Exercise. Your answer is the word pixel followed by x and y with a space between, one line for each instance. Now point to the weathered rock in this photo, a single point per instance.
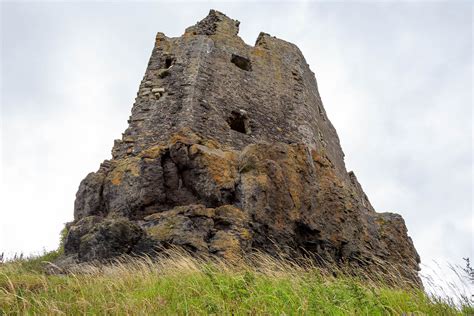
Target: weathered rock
pixel 95 238
pixel 237 154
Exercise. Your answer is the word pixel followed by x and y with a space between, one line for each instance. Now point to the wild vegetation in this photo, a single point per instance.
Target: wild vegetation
pixel 177 284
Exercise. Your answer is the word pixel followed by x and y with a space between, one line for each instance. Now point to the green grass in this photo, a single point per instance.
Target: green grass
pixel 178 284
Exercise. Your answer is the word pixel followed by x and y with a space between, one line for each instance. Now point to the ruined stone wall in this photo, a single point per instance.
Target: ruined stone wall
pixel 229 149
pixel 212 82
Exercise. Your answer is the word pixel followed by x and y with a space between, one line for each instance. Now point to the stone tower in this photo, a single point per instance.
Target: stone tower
pixel 229 149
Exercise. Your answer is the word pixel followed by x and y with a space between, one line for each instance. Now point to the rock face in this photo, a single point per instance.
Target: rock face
pixel 229 149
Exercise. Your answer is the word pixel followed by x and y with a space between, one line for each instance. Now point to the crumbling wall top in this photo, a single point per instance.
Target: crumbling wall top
pixel 215 22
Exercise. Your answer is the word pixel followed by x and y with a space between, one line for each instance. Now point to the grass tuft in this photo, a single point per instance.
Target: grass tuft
pixel 175 283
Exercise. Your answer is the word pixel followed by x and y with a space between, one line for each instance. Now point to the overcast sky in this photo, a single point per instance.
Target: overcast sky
pixel 395 79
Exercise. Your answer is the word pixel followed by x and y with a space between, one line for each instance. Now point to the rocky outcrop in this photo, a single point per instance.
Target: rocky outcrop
pixel 229 149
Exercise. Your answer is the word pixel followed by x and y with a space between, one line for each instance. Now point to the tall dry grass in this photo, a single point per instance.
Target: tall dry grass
pixel 175 283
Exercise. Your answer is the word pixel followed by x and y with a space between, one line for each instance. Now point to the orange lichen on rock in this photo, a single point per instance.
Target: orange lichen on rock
pixel 152 152
pixel 127 165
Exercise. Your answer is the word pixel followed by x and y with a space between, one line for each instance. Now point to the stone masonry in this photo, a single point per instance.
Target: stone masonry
pixel 229 149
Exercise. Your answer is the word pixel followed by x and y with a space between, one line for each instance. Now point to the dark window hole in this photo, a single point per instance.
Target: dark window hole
pixel 168 62
pixel 241 62
pixel 238 121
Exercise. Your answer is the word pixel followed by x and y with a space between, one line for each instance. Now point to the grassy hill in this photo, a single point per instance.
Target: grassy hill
pixel 177 284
